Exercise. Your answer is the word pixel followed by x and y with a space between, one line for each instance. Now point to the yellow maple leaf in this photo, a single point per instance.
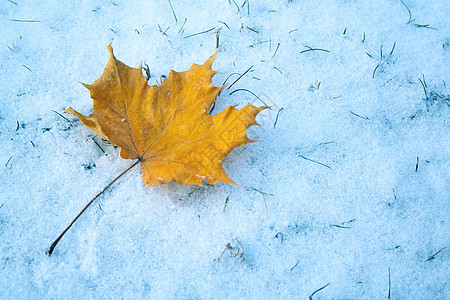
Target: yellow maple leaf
pixel 167 128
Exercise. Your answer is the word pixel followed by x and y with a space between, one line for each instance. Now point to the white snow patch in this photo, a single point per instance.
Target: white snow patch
pixel 357 162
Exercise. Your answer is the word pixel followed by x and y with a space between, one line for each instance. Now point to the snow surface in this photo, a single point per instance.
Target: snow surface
pixel 366 220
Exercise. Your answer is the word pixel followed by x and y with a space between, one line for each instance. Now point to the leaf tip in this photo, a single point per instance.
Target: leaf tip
pixel 69 110
pixel 88 86
pixel 210 61
pixel 111 52
pixel 110 48
pixel 229 181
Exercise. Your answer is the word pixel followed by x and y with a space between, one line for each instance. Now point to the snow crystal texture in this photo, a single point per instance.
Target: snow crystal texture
pixel 352 159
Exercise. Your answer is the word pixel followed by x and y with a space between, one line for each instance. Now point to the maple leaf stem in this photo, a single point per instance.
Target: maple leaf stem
pixel 52 247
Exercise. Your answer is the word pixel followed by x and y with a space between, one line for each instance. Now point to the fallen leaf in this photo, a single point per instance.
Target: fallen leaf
pixel 167 127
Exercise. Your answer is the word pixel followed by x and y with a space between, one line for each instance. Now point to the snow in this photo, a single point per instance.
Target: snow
pixel 354 173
